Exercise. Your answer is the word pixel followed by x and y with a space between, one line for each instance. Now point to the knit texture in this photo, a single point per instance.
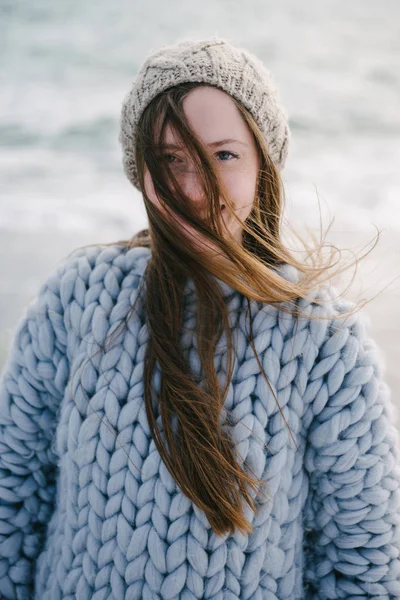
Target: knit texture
pixel 216 62
pixel 89 511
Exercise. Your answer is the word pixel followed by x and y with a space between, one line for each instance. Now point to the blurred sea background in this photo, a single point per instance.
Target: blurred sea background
pixel 66 66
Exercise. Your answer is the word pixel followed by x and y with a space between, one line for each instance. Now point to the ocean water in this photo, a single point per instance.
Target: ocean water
pixel 66 66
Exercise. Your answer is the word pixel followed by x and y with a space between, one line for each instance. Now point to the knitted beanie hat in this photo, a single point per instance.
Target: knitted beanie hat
pixel 216 62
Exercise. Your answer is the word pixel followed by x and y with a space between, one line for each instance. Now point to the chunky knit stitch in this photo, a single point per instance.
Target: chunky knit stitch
pixel 89 511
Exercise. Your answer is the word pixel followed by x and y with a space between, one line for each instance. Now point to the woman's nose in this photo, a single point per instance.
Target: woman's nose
pixel 192 187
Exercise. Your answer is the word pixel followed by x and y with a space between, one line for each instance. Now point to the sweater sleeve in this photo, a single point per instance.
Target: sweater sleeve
pixel 352 513
pixel 32 384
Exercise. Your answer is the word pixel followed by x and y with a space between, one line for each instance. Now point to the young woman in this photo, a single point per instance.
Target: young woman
pixel 194 413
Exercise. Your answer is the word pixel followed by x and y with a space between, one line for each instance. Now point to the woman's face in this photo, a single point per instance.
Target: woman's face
pixel 216 120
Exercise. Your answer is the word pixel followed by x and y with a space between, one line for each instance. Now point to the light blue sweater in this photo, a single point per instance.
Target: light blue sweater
pixel 89 511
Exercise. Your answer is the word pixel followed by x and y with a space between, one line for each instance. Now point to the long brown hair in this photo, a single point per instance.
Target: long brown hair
pixel 200 455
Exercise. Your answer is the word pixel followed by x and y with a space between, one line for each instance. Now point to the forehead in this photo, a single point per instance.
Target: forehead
pixel 213 115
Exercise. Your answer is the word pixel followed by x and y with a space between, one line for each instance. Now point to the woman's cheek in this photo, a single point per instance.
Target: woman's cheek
pixel 199 241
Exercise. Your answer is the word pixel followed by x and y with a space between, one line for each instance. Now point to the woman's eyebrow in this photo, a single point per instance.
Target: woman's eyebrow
pixel 210 145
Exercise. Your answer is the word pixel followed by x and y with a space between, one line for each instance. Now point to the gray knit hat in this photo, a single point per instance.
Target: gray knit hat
pixel 216 62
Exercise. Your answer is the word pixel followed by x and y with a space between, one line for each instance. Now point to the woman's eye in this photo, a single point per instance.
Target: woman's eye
pixel 222 155
pixel 226 152
pixel 167 156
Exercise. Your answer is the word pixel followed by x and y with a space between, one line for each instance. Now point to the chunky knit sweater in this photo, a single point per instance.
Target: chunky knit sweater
pixel 89 511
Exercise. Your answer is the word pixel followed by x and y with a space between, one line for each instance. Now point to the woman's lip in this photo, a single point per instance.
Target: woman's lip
pixel 223 208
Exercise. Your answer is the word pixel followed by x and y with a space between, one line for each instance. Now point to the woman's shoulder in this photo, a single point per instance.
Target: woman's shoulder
pixel 94 260
pixel 118 254
pixel 330 320
pixel 88 270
